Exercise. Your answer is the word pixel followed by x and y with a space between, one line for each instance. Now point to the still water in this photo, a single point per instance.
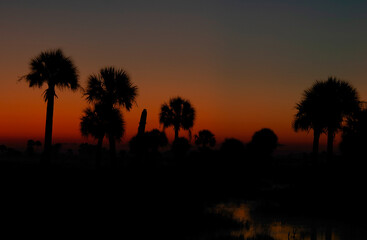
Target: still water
pixel 258 226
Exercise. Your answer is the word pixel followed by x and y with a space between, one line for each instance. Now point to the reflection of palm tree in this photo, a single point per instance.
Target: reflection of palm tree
pixel 111 89
pixel 324 107
pixel 205 138
pixel 177 113
pixel 55 70
pixel 97 124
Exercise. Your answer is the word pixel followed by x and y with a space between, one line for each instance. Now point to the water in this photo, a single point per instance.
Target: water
pixel 287 228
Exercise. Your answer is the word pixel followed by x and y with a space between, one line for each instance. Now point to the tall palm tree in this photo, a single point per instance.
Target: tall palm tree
pixel 177 113
pixel 111 89
pixel 54 69
pixel 98 124
pixel 325 106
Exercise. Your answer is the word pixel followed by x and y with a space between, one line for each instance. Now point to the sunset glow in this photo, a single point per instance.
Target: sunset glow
pixel 241 71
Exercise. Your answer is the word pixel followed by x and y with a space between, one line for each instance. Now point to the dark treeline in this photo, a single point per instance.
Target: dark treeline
pixel 162 188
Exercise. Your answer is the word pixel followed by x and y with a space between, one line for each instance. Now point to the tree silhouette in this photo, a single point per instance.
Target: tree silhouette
pixel 111 89
pixel 177 113
pixel 54 69
pixel 324 107
pixel 148 142
pixel 205 139
pixel 263 142
pixel 308 117
pixel 354 135
pixel 232 147
pixel 99 123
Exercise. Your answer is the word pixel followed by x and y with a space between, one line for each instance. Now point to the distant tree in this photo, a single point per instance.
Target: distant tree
pixel 263 143
pixel 148 142
pixel 354 136
pixel 111 89
pixel 98 122
pixel 54 69
pixel 178 113
pixel 205 139
pixel 324 107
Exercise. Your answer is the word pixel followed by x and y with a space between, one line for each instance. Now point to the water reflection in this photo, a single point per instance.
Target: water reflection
pixel 259 226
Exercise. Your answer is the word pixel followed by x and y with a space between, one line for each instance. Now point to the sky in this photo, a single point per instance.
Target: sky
pixel 242 64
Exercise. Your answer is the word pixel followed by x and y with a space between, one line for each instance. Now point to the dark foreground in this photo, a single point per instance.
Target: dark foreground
pixel 170 200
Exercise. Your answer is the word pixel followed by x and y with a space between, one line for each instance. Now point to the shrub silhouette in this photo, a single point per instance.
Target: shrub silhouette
pixel 205 139
pixel 178 113
pixel 54 69
pixel 354 135
pixel 263 143
pixel 148 142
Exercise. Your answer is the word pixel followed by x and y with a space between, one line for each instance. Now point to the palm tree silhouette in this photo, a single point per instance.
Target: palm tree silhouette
pixel 325 106
pixel 98 123
pixel 177 113
pixel 205 138
pixel 54 69
pixel 111 89
pixel 309 116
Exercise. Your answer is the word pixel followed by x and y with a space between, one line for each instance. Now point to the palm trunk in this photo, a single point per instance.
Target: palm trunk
pixel 113 151
pixel 330 141
pixel 49 120
pixel 315 147
pixel 99 152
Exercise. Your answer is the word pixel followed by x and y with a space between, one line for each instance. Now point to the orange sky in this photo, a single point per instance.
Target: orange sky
pixel 243 65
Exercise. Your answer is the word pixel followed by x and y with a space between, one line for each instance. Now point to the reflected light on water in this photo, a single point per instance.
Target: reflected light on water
pixel 274 228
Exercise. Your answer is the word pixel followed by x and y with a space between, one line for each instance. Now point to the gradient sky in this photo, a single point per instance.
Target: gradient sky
pixel 243 64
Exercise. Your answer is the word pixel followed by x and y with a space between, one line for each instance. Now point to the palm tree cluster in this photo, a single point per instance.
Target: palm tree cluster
pixel 109 90
pixel 324 107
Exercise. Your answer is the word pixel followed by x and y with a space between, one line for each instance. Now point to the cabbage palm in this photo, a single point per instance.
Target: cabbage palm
pixel 98 124
pixel 325 106
pixel 111 89
pixel 178 113
pixel 308 117
pixel 55 70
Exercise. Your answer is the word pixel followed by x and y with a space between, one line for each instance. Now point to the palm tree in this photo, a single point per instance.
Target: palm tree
pixel 325 106
pixel 177 113
pixel 97 124
pixel 54 69
pixel 111 89
pixel 205 138
pixel 309 117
